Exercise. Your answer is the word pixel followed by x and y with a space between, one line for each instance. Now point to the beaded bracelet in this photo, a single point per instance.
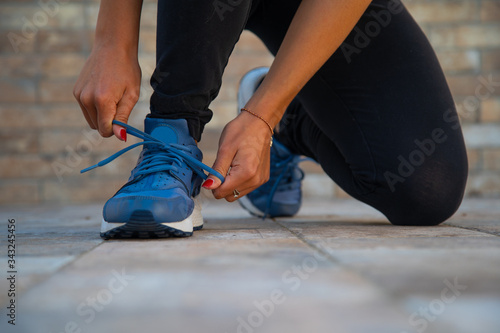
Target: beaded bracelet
pixel 268 125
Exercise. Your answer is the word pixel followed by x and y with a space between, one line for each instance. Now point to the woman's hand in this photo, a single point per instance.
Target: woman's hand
pixel 109 83
pixel 108 88
pixel 317 30
pixel 243 155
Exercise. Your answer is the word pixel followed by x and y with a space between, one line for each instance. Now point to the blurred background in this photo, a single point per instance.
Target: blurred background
pixel 44 139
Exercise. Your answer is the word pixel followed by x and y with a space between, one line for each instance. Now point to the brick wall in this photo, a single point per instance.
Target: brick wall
pixel 45 141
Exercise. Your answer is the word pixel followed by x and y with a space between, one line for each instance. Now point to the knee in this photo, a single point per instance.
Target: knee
pixel 423 214
pixel 425 204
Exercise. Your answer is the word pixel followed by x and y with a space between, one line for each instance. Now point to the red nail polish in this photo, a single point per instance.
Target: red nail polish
pixel 123 134
pixel 209 182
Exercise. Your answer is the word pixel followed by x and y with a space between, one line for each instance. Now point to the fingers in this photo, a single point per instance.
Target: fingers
pixel 100 109
pixel 88 116
pixel 245 174
pixel 83 100
pixel 120 132
pixel 97 107
pixel 123 110
pixel 108 89
pixel 106 111
pixel 222 165
pixel 243 157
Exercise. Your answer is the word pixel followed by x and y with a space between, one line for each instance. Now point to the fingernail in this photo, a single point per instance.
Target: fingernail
pixel 209 182
pixel 123 134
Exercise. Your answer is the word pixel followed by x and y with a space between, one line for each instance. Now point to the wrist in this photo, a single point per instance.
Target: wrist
pixel 257 125
pixel 115 50
pixel 115 44
pixel 271 128
pixel 269 111
pixel 270 102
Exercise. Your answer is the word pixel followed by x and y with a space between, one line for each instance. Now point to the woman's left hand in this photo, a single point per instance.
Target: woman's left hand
pixel 243 156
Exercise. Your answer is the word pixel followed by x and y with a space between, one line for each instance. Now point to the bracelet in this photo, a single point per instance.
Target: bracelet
pixel 268 125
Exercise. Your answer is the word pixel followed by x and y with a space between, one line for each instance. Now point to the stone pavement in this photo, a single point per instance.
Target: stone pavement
pixel 336 267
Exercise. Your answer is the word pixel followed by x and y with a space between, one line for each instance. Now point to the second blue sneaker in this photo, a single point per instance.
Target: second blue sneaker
pixel 282 194
pixel 160 198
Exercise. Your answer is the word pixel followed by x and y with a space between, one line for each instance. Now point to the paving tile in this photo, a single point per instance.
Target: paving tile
pixel 488 226
pixel 455 315
pixel 51 215
pixel 344 209
pixel 372 229
pixel 478 214
pixel 408 260
pixel 336 267
pixel 51 231
pixel 169 282
pixel 47 238
pixel 412 271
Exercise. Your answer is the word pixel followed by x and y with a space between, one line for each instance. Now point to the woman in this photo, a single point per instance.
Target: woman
pixel 354 85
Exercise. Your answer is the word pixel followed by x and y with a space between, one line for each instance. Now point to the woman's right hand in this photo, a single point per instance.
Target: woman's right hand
pixel 108 88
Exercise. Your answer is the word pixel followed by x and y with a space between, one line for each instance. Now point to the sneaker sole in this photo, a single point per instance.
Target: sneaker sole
pixel 249 207
pixel 141 225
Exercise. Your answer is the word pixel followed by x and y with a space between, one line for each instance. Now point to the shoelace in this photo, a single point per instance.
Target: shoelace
pixel 159 159
pixel 288 172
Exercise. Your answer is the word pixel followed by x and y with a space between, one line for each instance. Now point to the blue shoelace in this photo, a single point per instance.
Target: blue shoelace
pixel 161 158
pixel 287 171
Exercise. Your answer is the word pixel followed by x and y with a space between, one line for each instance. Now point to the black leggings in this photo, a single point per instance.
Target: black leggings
pixel 378 116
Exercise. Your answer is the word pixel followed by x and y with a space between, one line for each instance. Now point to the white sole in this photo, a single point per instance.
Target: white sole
pixel 196 215
pixel 247 204
pixel 192 222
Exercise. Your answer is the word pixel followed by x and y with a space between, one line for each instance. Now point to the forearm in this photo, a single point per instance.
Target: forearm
pixel 118 25
pixel 317 30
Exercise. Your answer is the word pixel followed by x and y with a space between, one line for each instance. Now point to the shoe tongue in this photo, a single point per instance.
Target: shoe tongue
pixel 169 130
pixel 166 134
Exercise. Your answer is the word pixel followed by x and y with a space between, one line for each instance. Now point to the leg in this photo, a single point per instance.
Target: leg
pixel 381 121
pixel 194 41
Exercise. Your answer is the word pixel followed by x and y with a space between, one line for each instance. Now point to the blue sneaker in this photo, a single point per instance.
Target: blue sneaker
pixel 282 194
pixel 160 198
